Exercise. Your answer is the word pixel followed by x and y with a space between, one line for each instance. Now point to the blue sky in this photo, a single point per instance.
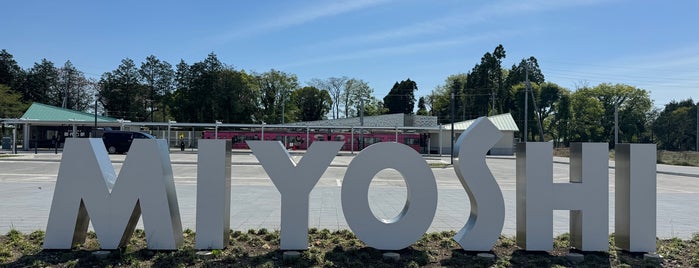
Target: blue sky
pixel 653 45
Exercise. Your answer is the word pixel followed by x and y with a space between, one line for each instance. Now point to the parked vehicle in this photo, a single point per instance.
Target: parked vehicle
pixel 119 142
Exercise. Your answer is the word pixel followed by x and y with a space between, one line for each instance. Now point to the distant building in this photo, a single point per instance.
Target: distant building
pixel 47 126
pixel 386 120
pixel 504 123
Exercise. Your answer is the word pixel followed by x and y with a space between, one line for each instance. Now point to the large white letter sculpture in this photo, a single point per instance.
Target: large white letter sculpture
pixel 487 205
pixel 418 213
pixel 294 183
pixel 213 194
pixel 635 181
pixel 586 196
pixel 87 189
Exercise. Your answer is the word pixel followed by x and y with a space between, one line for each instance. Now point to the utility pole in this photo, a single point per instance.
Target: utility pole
pixel 283 105
pixel 361 123
pixel 452 127
pixel 526 103
pixel 616 124
pixel 492 103
pixel 697 138
pixel 526 106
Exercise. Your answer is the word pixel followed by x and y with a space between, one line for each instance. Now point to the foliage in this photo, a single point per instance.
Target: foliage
pixel 41 84
pixel 11 74
pixel 77 92
pixel 486 81
pixel 675 127
pixel 235 97
pixel 401 98
pixel 260 248
pixel 335 86
pixel 374 106
pixel 421 107
pixel 356 91
pixel 208 91
pixel 546 97
pixel 11 105
pixel 121 93
pixel 439 99
pixel 634 106
pixel 276 88
pixel 313 104
pixel 560 123
pixel 158 77
pixel 587 114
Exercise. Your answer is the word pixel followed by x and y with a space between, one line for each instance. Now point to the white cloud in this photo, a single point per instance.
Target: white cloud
pixel 457 20
pixel 411 48
pixel 300 16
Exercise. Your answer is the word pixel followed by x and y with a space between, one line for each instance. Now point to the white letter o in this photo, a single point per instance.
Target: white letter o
pixel 418 213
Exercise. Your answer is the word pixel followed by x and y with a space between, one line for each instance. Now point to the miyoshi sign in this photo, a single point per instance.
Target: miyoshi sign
pixel 88 189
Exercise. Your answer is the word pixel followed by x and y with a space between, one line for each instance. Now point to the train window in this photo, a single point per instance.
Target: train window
pixel 369 141
pixel 319 137
pixel 339 138
pixel 411 141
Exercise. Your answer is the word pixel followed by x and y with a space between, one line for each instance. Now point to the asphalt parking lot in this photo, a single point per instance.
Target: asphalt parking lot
pixel 27 182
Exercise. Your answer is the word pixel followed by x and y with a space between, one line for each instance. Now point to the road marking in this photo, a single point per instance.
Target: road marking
pixel 339 182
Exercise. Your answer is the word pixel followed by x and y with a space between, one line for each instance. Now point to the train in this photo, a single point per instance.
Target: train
pixel 298 140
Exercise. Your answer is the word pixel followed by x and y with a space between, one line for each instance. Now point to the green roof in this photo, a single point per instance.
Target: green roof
pixel 45 112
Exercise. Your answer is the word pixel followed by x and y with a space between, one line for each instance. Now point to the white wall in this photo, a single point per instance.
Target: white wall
pixel 504 147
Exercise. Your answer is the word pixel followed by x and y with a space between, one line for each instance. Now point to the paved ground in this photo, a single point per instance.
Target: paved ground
pixel 27 183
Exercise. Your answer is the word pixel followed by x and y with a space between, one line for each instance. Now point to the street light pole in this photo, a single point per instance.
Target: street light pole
pixel 452 128
pixel 95 129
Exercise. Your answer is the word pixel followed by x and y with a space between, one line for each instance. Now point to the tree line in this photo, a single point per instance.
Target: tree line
pixel 558 114
pixel 210 91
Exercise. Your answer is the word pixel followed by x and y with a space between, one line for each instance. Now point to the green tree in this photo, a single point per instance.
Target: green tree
pixel 336 87
pixel 421 107
pixel 11 74
pixel 560 123
pixel 401 98
pixel 203 89
pixel 11 105
pixel 275 90
pixel 158 76
pixel 587 114
pixel 373 106
pixel 546 95
pixel 77 92
pixel 486 81
pixel 313 103
pixel 121 93
pixel 359 90
pixel 634 105
pixel 675 127
pixel 182 99
pixel 440 99
pixel 236 97
pixel 41 84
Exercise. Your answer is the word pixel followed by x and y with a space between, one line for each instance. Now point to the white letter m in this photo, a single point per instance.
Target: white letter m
pixel 87 189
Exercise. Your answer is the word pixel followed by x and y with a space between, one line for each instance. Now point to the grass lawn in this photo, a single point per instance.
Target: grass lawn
pixel 685 158
pixel 260 248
